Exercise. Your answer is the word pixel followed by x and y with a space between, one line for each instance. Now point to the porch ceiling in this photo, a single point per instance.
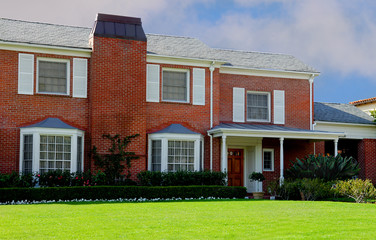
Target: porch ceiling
pixel 271 131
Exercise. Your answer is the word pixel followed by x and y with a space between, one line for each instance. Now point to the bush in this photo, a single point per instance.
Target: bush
pixel 306 189
pixel 328 168
pixel 181 178
pixel 357 189
pixel 115 192
pixel 56 178
pixel 16 179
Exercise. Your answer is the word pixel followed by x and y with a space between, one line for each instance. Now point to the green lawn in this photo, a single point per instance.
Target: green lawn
pixel 232 219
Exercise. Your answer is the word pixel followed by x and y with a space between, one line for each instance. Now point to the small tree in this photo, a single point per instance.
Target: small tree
pixel 118 160
pixel 357 189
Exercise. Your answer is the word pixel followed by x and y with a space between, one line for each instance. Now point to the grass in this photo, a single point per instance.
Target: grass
pixel 232 219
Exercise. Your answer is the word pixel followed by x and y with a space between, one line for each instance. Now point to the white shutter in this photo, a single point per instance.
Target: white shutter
pixel 198 86
pixel 279 107
pixel 238 102
pixel 80 77
pixel 152 83
pixel 25 73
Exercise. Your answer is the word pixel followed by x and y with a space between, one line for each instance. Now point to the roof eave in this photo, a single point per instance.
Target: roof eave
pixel 275 134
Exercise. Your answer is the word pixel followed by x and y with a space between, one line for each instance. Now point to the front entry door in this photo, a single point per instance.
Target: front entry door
pixel 235 167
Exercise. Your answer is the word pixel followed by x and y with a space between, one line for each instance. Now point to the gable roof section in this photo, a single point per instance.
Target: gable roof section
pixel 176 129
pixel 17 31
pixel 341 113
pixel 51 123
pixel 193 48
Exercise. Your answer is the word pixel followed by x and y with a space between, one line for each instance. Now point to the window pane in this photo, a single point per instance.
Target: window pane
pixel 257 106
pixel 52 77
pixel 174 86
pixel 55 153
pixel 79 154
pixel 28 154
pixel 180 156
pixel 268 164
pixel 156 155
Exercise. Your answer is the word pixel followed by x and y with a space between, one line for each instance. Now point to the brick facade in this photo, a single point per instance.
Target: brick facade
pixel 116 104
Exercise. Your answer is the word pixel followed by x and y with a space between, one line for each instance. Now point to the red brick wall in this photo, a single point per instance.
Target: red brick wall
pixel 19 110
pixel 118 95
pixel 292 149
pixel 297 104
pixel 367 159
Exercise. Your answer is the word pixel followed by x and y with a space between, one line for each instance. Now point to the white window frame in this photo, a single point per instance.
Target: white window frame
pixel 67 61
pixel 165 137
pixel 36 132
pixel 188 84
pixel 271 150
pixel 269 106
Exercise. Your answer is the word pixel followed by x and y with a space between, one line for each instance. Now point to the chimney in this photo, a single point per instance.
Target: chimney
pixel 113 26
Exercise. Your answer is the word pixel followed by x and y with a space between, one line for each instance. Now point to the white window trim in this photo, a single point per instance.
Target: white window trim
pixel 68 74
pixel 272 164
pixel 188 83
pixel 37 132
pixel 165 137
pixel 269 107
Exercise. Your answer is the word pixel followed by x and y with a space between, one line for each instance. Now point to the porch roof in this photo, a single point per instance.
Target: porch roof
pixel 271 131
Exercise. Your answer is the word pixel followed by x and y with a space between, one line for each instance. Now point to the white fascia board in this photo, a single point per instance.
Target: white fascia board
pixel 346 124
pixel 267 72
pixel 275 134
pixel 52 131
pixel 175 136
pixel 37 48
pixel 196 62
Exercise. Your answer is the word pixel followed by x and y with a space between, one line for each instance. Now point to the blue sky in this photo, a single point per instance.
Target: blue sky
pixel 336 37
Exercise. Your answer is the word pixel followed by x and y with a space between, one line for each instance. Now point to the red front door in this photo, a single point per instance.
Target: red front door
pixel 235 167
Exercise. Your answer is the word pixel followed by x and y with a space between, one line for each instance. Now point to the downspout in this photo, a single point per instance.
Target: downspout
pixel 310 101
pixel 211 68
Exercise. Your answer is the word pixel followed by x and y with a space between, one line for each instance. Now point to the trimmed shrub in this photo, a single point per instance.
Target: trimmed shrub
pixel 328 168
pixel 306 189
pixel 357 189
pixel 181 178
pixel 115 192
pixel 16 179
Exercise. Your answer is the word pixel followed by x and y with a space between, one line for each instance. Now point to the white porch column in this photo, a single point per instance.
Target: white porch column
pixel 224 154
pixel 335 147
pixel 281 160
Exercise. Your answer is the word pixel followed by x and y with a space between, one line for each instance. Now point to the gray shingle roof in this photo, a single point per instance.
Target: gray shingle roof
pixel 194 48
pixel 44 34
pixel 78 37
pixel 51 123
pixel 343 113
pixel 176 129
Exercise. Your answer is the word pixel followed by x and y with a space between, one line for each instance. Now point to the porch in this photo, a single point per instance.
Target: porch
pixel 247 148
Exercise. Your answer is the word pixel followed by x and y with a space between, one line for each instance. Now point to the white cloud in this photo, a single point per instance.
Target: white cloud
pixel 331 35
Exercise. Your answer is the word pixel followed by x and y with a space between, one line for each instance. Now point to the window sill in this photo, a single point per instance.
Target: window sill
pixel 53 94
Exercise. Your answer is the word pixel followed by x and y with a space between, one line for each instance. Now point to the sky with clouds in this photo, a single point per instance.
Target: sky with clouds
pixel 336 37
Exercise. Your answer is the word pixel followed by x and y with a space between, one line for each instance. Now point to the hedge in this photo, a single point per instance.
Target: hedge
pixel 115 192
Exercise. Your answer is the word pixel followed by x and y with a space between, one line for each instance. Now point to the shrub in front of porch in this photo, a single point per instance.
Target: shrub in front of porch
pixel 328 168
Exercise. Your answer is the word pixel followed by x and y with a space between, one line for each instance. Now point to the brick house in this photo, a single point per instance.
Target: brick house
pixel 195 107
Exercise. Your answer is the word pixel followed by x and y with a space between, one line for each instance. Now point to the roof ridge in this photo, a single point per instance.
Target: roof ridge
pixel 244 51
pixel 42 23
pixel 165 35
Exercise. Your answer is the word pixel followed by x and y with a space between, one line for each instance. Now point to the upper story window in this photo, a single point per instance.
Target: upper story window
pixel 175 85
pixel 53 76
pixel 258 106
